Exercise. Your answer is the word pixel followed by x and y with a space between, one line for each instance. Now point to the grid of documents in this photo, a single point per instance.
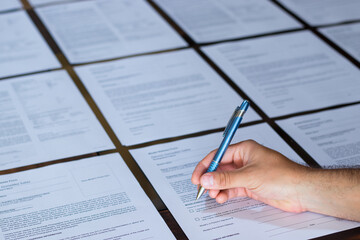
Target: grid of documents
pixel 94 91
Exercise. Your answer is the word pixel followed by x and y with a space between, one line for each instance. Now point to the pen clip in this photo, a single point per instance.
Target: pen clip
pixel 231 121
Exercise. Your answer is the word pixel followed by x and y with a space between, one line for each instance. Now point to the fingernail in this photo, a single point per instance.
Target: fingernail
pixel 207 181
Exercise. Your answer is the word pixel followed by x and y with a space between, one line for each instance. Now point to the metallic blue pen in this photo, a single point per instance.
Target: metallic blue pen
pixel 228 135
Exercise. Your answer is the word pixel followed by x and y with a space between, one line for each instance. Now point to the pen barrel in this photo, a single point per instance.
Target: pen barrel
pixel 224 145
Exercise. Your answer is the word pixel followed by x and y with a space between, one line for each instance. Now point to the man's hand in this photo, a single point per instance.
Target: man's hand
pixel 252 170
pixel 249 169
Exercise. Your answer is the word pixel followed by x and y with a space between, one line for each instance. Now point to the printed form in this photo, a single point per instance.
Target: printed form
pixel 288 73
pixel 22 48
pixel 330 137
pixel 97 30
pixel 160 96
pixel 322 12
pixel 346 36
pixel 43 117
pixel 94 198
pixel 169 167
pixel 215 20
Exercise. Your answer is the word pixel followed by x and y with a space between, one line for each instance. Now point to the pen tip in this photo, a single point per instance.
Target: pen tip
pixel 200 193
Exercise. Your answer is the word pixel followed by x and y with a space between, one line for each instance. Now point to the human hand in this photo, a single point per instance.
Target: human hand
pixel 249 169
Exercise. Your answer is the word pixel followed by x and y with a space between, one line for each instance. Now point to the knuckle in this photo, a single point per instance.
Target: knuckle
pixel 224 179
pixel 250 143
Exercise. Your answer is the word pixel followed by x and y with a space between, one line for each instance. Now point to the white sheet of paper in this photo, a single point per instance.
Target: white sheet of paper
pixel 288 73
pixel 214 20
pixel 44 2
pixel 43 117
pixel 96 30
pixel 169 167
pixel 322 12
pixel 160 96
pixel 346 36
pixel 6 5
pixel 94 198
pixel 330 137
pixel 22 48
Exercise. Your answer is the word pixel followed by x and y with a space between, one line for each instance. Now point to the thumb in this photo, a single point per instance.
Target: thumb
pixel 224 180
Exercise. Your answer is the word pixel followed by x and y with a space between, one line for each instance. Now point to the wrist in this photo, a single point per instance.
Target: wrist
pixel 310 196
pixel 332 192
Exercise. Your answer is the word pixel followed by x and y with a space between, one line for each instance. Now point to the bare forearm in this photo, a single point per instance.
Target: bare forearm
pixel 334 192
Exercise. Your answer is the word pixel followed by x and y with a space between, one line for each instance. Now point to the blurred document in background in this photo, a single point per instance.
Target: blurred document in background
pixel 6 5
pixel 96 30
pixel 288 73
pixel 215 20
pixel 160 96
pixel 43 117
pixel 22 48
pixel 95 198
pixel 169 167
pixel 320 12
pixel 332 137
pixel 36 3
pixel 346 37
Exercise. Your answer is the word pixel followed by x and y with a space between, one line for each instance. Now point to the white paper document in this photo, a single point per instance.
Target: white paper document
pixel 322 12
pixel 102 29
pixel 332 137
pixel 43 117
pixel 288 73
pixel 160 96
pixel 346 36
pixel 215 20
pixel 94 198
pixel 22 48
pixel 169 167
pixel 44 2
pixel 6 5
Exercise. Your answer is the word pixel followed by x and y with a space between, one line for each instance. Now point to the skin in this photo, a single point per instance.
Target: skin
pixel 249 169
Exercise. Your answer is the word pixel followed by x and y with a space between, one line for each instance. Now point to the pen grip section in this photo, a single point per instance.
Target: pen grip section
pixel 224 145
